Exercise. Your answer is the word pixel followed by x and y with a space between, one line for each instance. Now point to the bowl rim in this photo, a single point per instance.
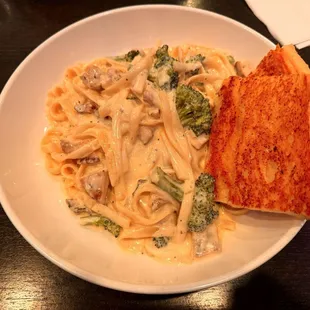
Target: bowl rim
pixel 120 285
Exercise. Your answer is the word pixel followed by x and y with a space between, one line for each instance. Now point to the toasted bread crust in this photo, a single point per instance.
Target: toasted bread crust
pixel 283 60
pixel 260 145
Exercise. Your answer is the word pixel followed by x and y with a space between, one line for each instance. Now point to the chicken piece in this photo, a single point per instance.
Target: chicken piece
pixel 145 134
pixel 86 107
pixel 260 144
pixel 207 241
pixel 150 95
pixel 92 77
pixel 67 147
pixel 154 112
pixel 108 78
pixel 96 185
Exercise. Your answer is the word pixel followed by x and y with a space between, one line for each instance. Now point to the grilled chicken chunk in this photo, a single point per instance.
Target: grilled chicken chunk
pixel 96 185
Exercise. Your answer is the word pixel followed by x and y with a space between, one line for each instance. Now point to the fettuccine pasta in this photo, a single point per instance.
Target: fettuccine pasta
pixel 114 122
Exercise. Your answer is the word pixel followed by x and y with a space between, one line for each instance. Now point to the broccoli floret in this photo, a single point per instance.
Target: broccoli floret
pixel 162 74
pixel 162 56
pixel 161 242
pixel 174 80
pixel 193 109
pixel 196 58
pixel 204 210
pixel 104 222
pixel 129 56
pixel 165 182
pixel 109 225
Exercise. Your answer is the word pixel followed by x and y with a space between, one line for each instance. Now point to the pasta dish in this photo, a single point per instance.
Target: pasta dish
pixel 129 137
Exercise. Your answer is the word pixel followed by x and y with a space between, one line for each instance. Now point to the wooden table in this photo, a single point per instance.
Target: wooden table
pixel 29 281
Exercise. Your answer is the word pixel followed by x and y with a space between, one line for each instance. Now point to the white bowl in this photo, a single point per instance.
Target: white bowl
pixel 33 200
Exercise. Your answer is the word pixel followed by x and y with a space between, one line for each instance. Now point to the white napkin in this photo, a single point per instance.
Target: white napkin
pixel 287 20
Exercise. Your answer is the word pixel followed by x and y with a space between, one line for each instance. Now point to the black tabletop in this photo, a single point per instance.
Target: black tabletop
pixel 29 281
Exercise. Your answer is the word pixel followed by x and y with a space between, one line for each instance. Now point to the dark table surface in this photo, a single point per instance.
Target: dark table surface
pixel 29 281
